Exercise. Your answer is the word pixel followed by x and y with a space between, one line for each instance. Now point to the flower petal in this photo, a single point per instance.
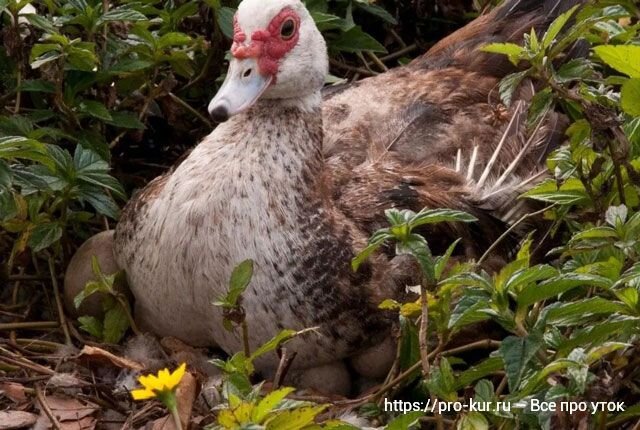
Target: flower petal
pixel 142 394
pixel 150 382
pixel 177 375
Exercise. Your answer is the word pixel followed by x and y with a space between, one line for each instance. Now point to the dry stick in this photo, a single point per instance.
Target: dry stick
pixel 509 231
pixel 245 337
pixel 283 367
pixel 56 292
pixel 501 386
pixel 45 408
pixel 24 363
pixel 400 53
pixel 397 37
pixel 349 68
pixel 29 325
pixel 377 60
pixel 14 301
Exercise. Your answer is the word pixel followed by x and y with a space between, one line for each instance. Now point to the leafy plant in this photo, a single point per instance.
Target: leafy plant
pixel 117 311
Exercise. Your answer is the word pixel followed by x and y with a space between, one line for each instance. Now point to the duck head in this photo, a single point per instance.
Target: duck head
pixel 277 53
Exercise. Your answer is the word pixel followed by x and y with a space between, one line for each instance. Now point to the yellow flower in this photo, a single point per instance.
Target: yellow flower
pixel 160 385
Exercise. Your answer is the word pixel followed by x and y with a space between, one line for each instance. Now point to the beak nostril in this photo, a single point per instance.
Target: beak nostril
pixel 219 114
pixel 247 73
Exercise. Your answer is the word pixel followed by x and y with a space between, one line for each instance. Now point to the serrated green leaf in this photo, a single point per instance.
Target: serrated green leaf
pixel 44 235
pixel 517 353
pixel 91 325
pixel 623 58
pixel 408 421
pixel 294 419
pixel 116 323
pixel 630 96
pixel 95 109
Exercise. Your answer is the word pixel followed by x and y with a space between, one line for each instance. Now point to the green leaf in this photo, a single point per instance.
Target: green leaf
pixel 540 105
pixel 239 281
pixel 326 21
pixel 173 39
pixel 91 325
pixel 517 353
pixel 433 216
pixel 122 13
pixel 269 403
pixel 572 313
pixel 274 343
pixel 541 376
pixel 559 284
pixel 576 69
pixel 95 109
pixel 556 26
pixel 116 323
pixel 44 235
pixel 623 58
pixel 570 192
pixel 469 310
pixel 125 119
pixel 356 40
pixel 511 50
pixel 18 147
pixel 509 84
pixel 225 21
pixel 6 177
pixel 479 371
pixel 38 86
pixel 376 10
pixel 630 96
pixel 294 419
pixel 405 421
pixel 473 421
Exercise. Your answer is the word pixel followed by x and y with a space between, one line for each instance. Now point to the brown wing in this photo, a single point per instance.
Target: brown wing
pixel 434 134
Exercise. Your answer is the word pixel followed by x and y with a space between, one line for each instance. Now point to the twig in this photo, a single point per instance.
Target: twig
pixel 283 367
pixel 24 363
pixel 404 51
pixel 344 66
pixel 479 344
pixel 56 292
pixel 245 337
pixel 45 407
pixel 377 60
pixel 29 325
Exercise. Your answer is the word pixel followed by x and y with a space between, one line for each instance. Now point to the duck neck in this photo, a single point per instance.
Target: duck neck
pixel 287 135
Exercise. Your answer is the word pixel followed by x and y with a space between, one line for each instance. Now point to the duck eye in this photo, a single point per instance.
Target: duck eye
pixel 288 29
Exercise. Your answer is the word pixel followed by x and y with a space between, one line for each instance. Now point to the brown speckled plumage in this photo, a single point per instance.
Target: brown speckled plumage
pixel 301 197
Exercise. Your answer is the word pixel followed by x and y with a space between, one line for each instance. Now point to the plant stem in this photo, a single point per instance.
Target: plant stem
pixel 56 292
pixel 424 326
pixel 245 338
pixel 176 417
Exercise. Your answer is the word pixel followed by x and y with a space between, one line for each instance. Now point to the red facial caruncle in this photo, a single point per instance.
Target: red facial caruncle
pixel 270 45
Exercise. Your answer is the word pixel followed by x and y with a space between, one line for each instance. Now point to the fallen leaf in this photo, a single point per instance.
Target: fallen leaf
pixel 66 380
pixel 95 354
pixel 185 394
pixel 13 391
pixel 16 420
pixel 68 409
